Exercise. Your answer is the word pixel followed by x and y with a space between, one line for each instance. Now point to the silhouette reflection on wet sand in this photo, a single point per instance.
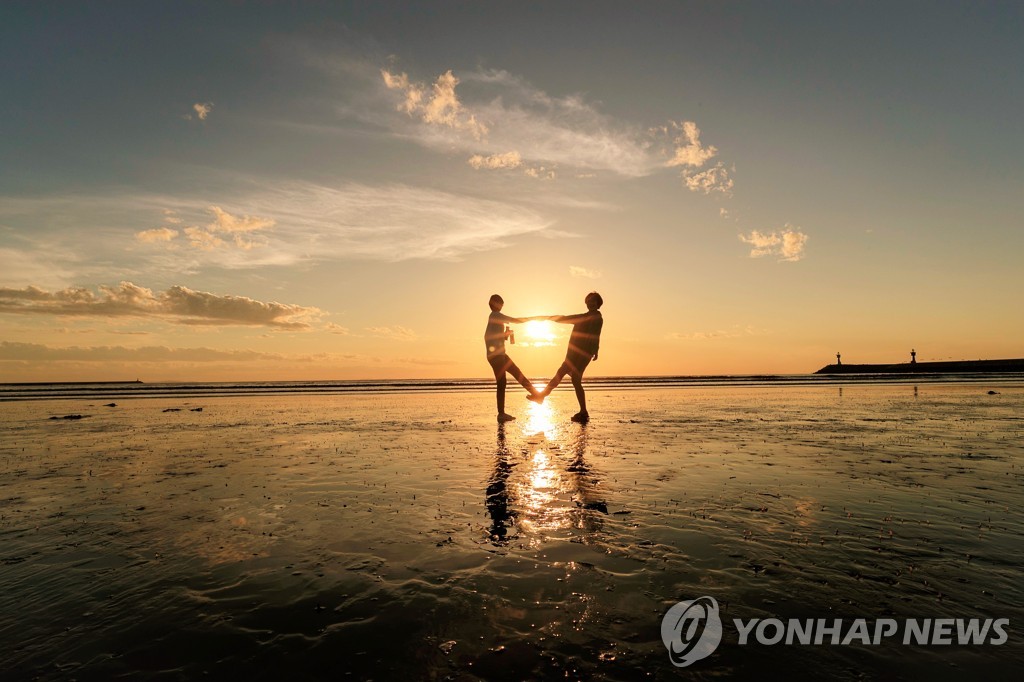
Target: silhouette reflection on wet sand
pixel 497 499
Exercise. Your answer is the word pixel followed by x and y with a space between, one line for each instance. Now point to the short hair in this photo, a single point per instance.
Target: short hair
pixel 593 300
pixel 495 301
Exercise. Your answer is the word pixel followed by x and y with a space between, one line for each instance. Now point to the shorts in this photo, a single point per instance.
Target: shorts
pixel 500 364
pixel 578 362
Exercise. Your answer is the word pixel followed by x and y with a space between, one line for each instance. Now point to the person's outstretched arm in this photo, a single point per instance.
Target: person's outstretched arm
pixel 508 319
pixel 570 319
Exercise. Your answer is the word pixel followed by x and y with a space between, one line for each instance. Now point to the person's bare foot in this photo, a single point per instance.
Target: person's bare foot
pixel 580 417
pixel 536 397
pixel 503 417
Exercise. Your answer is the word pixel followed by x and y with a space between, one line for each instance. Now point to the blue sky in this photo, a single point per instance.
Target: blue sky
pixel 333 190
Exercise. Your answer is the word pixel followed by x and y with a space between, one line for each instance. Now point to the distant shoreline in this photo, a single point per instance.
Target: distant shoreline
pixel 72 383
pixel 958 366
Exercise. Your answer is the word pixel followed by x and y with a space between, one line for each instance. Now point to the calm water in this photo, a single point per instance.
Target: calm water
pixel 403 535
pixel 151 390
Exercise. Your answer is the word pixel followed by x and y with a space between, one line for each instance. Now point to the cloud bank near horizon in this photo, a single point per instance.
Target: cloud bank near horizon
pixel 177 304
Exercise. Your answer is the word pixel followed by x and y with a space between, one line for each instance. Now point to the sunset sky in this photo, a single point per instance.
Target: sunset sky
pixel 227 191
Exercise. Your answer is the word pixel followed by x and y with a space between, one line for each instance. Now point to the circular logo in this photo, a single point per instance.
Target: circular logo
pixel 691 630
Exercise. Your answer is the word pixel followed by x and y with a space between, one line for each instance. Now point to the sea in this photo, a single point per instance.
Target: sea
pixel 139 389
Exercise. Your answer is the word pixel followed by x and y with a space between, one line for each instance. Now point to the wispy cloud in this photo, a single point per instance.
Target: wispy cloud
pixel 540 172
pixel 391 223
pixel 291 222
pixel 225 222
pixel 426 362
pixel 33 361
pixel 714 179
pixel 178 304
pixel 35 352
pixel 43 264
pixel 239 230
pixel 577 271
pixel 788 244
pixel 157 234
pixel 496 161
pixel 736 331
pixel 476 112
pixel 497 110
pixel 396 333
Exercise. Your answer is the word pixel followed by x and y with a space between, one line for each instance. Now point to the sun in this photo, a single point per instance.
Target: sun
pixel 539 333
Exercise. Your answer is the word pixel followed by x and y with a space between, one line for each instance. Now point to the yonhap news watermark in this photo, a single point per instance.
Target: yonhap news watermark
pixel 692 630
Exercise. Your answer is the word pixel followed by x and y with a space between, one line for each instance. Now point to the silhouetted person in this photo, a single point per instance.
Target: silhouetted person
pixel 501 363
pixel 583 346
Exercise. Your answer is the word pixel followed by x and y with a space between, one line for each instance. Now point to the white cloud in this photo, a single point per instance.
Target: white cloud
pixel 202 110
pixel 793 245
pixel 238 228
pixel 496 161
pixel 540 172
pixel 440 107
pixel 689 151
pixel 201 238
pixel 577 271
pixel 337 329
pixel 225 222
pixel 158 234
pixel 788 244
pixel 715 179
pixel 485 109
pixel 509 113
pixel 178 304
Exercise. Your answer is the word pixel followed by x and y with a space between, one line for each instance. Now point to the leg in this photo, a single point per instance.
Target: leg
pixel 518 375
pixel 563 369
pixel 581 397
pixel 501 381
pixel 499 364
pixel 577 383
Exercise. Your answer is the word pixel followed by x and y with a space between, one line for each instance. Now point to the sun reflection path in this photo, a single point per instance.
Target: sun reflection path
pixel 541 420
pixel 543 483
pixel 555 491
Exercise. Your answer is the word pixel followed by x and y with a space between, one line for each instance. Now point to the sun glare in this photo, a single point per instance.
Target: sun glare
pixel 539 332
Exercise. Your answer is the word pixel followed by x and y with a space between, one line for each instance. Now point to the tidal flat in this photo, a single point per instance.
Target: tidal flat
pixel 409 536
